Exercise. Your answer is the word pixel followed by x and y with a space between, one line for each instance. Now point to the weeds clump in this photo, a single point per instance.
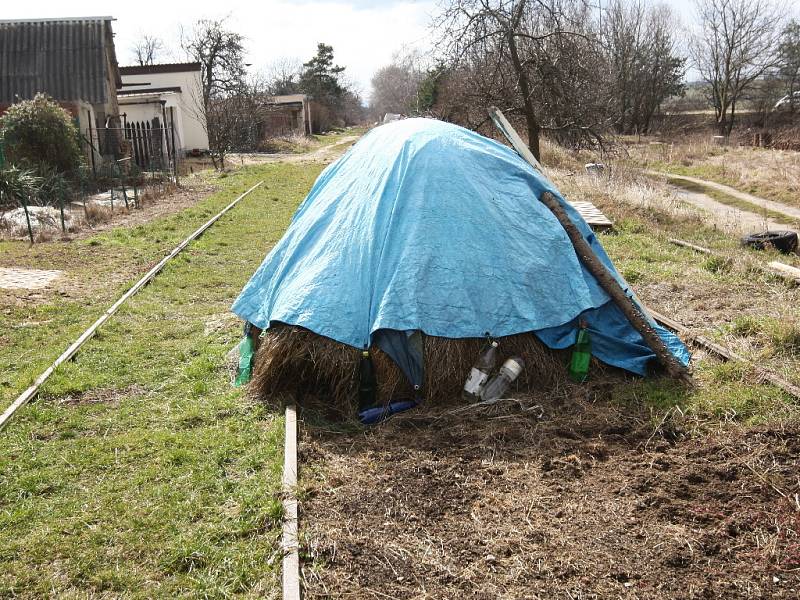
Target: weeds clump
pixel 774 335
pixel 718 264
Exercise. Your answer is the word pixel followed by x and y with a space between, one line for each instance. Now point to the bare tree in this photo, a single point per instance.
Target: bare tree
pixel 533 58
pixel 234 120
pixel 789 55
pixel 283 76
pixel 220 53
pixel 396 87
pixel 734 46
pixel 223 89
pixel 147 50
pixel 645 63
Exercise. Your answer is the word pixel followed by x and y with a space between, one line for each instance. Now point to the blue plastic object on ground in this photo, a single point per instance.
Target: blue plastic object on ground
pixel 380 413
pixel 424 225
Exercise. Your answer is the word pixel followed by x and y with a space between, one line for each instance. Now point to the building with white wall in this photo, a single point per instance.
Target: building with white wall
pixel 166 94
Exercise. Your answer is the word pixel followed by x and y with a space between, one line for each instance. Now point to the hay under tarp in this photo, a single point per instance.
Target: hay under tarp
pixel 312 368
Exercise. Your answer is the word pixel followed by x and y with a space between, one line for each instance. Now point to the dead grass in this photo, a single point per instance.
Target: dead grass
pixel 770 174
pixel 289 144
pixel 580 498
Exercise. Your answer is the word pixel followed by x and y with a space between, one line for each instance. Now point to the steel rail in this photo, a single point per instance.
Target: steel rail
pixel 31 392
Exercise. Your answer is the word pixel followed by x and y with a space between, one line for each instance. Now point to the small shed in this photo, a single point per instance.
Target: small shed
pixel 286 115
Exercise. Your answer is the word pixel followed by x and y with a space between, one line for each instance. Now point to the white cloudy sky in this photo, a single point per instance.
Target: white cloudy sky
pixel 364 34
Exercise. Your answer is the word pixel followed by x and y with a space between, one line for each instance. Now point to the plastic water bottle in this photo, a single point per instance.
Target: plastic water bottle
pixel 499 383
pixel 480 371
pixel 581 355
pixel 367 383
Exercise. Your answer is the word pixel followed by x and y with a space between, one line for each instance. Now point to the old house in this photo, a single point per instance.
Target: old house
pixel 286 115
pixel 70 59
pixel 151 95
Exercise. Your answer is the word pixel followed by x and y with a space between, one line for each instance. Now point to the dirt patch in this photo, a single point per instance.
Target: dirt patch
pixel 101 396
pixel 190 193
pixel 323 154
pixel 588 500
pixel 74 283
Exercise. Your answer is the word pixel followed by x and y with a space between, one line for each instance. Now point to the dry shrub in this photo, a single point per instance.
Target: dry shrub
pixel 97 213
pixel 149 194
pixel 287 144
pixel 297 362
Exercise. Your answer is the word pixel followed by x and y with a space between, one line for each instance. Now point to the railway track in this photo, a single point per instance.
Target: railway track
pixel 73 349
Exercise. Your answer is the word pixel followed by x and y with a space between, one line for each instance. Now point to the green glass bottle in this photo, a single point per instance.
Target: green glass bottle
pixel 581 355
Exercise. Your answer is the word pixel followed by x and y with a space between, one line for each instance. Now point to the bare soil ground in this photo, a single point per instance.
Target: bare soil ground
pixel 116 265
pixel 589 500
pixel 322 154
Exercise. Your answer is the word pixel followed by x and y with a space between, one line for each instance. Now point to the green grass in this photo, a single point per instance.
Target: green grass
pixel 139 471
pixel 725 390
pixel 730 200
pixel 715 292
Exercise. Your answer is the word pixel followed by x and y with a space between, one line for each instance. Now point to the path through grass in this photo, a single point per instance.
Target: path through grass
pixel 139 471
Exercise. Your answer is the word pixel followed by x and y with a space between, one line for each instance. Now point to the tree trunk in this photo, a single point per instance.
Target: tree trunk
pixel 729 124
pixel 612 287
pixel 531 123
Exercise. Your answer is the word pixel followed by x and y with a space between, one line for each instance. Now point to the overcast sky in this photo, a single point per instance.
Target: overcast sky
pixel 364 34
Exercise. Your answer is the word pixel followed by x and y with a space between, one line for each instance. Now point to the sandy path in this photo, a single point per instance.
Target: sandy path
pixel 790 211
pixel 727 217
pixel 319 155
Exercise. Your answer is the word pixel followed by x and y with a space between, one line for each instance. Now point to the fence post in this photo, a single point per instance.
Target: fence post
pixel 61 208
pixel 28 219
pixel 174 151
pixel 122 185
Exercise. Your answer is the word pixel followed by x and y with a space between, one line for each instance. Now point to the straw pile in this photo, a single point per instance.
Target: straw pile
pixel 294 361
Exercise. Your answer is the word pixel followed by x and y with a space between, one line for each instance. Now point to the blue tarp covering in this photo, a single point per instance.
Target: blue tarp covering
pixel 427 225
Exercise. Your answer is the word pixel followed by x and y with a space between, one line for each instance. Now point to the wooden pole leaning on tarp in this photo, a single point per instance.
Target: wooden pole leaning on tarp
pixel 594 265
pixel 609 283
pixel 500 121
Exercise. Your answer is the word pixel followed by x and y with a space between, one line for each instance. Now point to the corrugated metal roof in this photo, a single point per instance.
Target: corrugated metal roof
pixel 65 58
pixel 162 68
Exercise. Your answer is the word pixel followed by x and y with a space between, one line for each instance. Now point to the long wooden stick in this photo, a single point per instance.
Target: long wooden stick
pixel 587 256
pixel 609 283
pixel 782 270
pixel 31 392
pixel 694 247
pixel 291 558
pixel 512 136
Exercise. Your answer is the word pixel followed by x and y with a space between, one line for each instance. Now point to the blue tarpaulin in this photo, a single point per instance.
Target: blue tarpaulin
pixel 424 225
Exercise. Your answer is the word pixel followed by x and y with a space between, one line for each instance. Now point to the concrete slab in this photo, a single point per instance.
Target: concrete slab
pixel 26 279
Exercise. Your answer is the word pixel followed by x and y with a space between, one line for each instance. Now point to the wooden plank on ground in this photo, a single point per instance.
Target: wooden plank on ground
pixel 592 215
pixel 784 270
pixel 725 354
pixel 291 558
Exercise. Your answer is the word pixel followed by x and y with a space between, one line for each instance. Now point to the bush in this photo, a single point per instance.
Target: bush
pixel 17 186
pixel 40 133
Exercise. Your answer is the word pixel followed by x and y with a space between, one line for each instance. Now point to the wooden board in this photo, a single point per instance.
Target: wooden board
pixel 291 558
pixel 592 215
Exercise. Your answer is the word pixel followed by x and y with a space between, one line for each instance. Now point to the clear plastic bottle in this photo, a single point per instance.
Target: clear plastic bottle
pixel 480 371
pixel 499 383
